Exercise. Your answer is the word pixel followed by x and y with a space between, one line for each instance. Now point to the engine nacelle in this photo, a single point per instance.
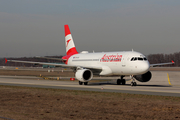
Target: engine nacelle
pixel 84 75
pixel 144 77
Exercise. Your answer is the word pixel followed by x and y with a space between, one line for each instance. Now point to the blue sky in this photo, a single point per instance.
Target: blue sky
pixel 36 27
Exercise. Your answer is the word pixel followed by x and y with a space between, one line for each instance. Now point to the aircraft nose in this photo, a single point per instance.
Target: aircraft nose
pixel 145 67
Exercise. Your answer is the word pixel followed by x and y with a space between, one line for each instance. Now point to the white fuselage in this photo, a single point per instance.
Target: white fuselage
pixel 113 63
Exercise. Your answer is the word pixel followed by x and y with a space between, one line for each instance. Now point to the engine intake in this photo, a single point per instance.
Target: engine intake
pixel 144 77
pixel 84 75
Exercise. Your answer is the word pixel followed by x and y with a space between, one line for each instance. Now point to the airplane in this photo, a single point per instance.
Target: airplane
pixel 120 63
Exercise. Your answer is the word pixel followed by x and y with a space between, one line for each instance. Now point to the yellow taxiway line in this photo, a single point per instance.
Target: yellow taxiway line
pixel 168 79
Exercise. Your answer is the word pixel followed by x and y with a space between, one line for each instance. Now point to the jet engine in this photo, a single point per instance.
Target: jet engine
pixel 84 75
pixel 144 77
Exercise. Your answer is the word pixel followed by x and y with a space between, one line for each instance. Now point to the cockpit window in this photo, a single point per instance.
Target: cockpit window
pixel 138 58
pixel 132 59
pixel 141 59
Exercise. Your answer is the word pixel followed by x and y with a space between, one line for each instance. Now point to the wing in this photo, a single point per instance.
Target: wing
pixel 158 64
pixel 95 69
pixel 40 63
pixel 50 58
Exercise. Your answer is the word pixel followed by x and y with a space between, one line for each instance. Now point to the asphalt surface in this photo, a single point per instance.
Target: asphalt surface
pixel 158 85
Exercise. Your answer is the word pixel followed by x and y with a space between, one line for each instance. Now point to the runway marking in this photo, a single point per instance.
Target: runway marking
pixel 90 87
pixel 168 79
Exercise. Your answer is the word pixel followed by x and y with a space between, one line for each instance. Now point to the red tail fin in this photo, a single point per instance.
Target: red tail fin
pixel 70 46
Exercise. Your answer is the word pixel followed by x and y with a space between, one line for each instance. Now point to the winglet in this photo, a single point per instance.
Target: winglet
pixel 173 62
pixel 5 60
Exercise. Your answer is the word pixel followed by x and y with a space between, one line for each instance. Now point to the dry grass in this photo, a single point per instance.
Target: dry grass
pixel 22 103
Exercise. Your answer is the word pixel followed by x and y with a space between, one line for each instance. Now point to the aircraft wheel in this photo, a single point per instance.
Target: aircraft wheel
pixel 85 83
pixel 118 81
pixel 80 83
pixel 123 81
pixel 132 83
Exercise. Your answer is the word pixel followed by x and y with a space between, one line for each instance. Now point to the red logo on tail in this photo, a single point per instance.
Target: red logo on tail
pixel 68 42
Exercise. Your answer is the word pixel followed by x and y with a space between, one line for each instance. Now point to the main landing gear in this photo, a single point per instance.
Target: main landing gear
pixel 121 81
pixel 85 83
pixel 133 83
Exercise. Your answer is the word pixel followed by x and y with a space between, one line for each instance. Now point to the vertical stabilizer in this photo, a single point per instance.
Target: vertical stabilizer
pixel 70 47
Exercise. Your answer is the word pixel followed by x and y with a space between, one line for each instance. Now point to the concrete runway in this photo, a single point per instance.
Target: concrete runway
pixel 158 85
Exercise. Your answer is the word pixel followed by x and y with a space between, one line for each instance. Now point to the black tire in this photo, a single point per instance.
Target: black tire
pixel 80 83
pixel 123 81
pixel 85 83
pixel 135 83
pixel 132 83
pixel 118 81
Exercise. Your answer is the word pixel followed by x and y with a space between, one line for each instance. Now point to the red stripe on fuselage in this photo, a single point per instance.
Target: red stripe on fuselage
pixel 67 30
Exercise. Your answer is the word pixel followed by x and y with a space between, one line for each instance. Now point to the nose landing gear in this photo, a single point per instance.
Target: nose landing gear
pixel 133 83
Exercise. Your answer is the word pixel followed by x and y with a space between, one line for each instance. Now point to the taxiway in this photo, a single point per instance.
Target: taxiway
pixel 158 85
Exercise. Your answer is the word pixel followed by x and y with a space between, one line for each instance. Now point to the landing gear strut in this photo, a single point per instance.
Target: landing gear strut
pixel 121 81
pixel 133 83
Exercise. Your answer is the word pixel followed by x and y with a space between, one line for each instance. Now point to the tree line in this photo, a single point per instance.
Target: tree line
pixel 163 58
